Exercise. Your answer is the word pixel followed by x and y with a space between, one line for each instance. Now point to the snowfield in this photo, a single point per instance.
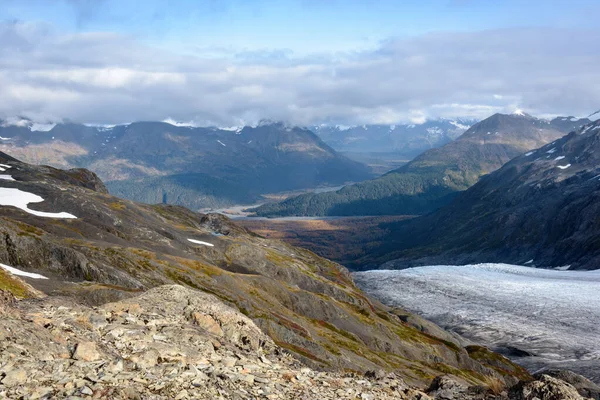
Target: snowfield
pixel 201 242
pixel 18 272
pixel 552 314
pixel 20 199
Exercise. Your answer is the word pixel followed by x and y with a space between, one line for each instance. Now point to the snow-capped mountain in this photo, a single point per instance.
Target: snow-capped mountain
pixel 406 139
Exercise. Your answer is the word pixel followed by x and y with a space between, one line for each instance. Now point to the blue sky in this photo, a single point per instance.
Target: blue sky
pixel 229 62
pixel 302 26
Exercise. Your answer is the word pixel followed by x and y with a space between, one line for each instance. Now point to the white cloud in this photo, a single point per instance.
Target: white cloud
pixel 105 78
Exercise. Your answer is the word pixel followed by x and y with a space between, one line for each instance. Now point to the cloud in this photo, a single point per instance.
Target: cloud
pixel 107 78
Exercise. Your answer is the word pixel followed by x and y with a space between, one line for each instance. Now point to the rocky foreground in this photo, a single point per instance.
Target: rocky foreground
pixel 179 343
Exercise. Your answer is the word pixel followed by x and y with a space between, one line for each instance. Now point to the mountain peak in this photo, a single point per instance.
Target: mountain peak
pixel 521 113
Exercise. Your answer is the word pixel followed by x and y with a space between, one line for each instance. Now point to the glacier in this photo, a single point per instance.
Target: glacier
pixel 551 316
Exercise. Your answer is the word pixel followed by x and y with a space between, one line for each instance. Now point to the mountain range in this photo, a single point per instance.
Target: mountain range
pixel 63 235
pixel 154 162
pixel 539 209
pixel 406 140
pixel 433 178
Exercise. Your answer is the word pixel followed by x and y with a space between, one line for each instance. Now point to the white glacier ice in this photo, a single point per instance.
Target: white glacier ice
pixel 552 314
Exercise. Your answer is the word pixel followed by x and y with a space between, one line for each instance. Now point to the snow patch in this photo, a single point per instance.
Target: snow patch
pixel 18 272
pixel 552 150
pixel 529 262
pixel 6 177
pixel 559 158
pixel 20 199
pixel 237 129
pixel 459 125
pixel 201 242
pixel 223 144
pixel 36 127
pixel 563 166
pixel 434 130
pixel 171 121
pixel 529 153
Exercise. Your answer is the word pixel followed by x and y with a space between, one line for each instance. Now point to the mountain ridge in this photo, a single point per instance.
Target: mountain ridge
pixel 538 209
pixel 433 178
pixel 197 167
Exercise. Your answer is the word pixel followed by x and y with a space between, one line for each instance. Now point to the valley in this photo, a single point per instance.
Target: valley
pixel 342 239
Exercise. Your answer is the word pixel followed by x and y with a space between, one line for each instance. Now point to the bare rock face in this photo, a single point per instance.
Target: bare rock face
pixel 154 347
pixel 203 310
pixel 545 388
pixel 584 386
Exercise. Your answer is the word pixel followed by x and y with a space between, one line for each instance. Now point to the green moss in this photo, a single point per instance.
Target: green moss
pixel 497 362
pixel 13 285
pixel 279 259
pixel 117 205
pixel 467 374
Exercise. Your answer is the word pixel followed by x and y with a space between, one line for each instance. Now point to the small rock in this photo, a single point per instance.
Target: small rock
pixel 15 377
pixel 87 391
pixel 229 362
pixel 86 351
pixel 207 323
pixel 130 394
pixel 145 359
pixel 182 395
pixel 248 378
pixel 265 360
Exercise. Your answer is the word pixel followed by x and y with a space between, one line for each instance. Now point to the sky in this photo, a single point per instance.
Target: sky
pixel 235 62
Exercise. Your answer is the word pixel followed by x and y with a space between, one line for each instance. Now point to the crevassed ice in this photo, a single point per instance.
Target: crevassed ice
pixel 20 199
pixel 551 313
